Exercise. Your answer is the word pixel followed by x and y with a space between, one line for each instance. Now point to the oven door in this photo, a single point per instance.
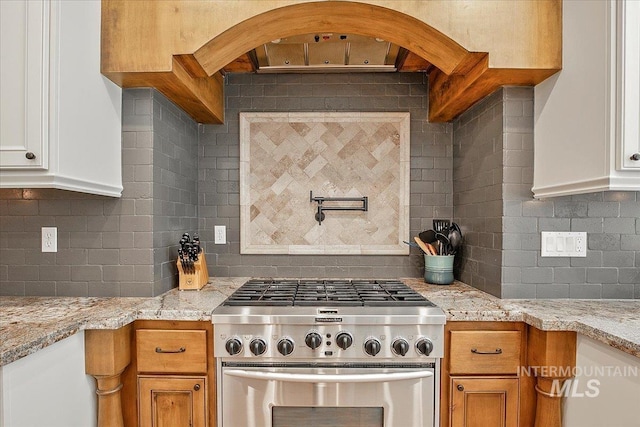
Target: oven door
pixel 265 396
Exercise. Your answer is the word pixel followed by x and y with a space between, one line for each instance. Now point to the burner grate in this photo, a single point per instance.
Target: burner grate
pixel 323 292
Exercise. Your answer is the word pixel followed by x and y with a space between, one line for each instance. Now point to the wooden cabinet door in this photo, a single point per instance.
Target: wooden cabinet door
pixel 172 401
pixel 484 402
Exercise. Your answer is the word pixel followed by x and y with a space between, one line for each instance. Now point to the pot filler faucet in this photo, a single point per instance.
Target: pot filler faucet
pixel 321 207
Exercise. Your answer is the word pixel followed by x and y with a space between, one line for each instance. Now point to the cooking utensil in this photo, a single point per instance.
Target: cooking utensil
pixel 455 226
pixel 412 244
pixel 431 248
pixel 455 239
pixel 443 244
pixel 422 245
pixel 428 236
pixel 440 224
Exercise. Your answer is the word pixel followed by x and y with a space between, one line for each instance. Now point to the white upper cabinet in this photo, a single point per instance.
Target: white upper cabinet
pixel 628 90
pixel 60 119
pixel 24 83
pixel 586 116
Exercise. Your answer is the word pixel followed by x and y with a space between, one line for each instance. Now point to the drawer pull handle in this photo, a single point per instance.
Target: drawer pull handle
pixel 180 350
pixel 476 351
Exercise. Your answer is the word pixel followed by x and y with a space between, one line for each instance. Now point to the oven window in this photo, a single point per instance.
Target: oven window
pixel 296 416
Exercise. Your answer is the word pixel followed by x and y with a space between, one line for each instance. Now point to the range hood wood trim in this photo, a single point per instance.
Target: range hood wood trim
pixel 171 45
pixel 355 18
pixel 451 95
pixel 202 98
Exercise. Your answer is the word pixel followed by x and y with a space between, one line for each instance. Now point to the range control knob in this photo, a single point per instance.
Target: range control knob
pixel 257 346
pixel 313 340
pixel 233 346
pixel 372 346
pixel 285 346
pixel 344 340
pixel 424 346
pixel 400 346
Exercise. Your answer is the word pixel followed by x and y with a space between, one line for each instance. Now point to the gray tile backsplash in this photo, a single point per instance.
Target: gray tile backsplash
pixel 179 176
pixel 108 246
pixel 611 219
pixel 430 175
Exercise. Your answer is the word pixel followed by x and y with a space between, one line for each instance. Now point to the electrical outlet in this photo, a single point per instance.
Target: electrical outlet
pixel 49 239
pixel 563 244
pixel 220 234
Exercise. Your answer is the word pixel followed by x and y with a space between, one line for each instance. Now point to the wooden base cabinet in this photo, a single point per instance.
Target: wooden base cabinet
pixel 172 401
pixel 481 384
pixel 484 402
pixel 171 379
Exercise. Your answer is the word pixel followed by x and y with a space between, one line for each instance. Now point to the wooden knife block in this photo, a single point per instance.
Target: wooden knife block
pixel 196 280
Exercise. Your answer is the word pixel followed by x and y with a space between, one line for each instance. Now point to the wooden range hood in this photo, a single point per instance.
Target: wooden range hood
pixel 469 48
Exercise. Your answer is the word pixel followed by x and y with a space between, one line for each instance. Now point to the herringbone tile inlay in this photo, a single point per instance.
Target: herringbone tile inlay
pixel 285 156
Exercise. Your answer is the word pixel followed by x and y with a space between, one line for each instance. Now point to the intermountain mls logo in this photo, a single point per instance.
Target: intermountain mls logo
pixel 571 388
pixel 577 381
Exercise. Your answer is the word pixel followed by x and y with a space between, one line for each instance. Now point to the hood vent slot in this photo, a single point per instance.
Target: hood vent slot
pixel 326 53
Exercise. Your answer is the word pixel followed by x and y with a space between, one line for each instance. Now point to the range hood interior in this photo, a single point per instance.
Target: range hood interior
pixel 327 52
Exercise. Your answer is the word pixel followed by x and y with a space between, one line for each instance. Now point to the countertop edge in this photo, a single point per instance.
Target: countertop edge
pixel 187 306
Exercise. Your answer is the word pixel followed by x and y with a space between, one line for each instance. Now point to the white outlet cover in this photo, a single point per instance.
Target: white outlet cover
pixel 563 244
pixel 49 239
pixel 220 234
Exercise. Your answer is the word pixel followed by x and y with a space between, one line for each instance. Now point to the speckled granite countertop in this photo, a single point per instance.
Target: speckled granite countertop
pixel 28 324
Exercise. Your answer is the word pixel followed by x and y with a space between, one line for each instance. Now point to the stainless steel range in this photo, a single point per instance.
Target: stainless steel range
pixel 328 353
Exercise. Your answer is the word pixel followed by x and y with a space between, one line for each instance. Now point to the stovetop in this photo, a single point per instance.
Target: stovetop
pixel 326 292
pixel 340 319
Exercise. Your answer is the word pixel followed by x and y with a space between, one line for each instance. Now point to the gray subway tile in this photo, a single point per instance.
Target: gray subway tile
pixel 620 225
pixel 571 209
pixel 104 289
pixel 604 209
pixel 602 275
pixel 40 288
pixel 590 225
pixel 618 259
pixel 513 290
pixel 629 275
pixel 12 288
pixel 537 275
pixel 630 209
pixel 605 242
pixel 72 289
pixel 585 291
pixel 552 291
pixel 618 291
pixel 569 275
pixel 630 242
pixel 54 272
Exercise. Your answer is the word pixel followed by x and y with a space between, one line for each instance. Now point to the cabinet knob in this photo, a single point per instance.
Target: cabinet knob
pixel 30 155
pixel 196 387
pixel 635 156
pixel 460 387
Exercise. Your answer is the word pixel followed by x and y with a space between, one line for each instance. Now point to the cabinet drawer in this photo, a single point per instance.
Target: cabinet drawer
pixel 174 351
pixel 484 352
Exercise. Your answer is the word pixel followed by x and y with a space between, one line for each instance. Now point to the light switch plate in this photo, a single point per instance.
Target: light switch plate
pixel 563 244
pixel 49 239
pixel 220 234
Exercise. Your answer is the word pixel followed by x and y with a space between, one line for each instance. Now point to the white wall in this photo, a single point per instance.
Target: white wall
pixel 49 388
pixel 616 398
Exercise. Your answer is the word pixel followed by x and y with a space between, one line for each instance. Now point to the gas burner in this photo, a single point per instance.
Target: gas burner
pixel 325 292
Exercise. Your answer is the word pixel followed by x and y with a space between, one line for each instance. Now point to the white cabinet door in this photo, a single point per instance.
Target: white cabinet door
pixel 60 119
pixel 586 119
pixel 24 83
pixel 628 131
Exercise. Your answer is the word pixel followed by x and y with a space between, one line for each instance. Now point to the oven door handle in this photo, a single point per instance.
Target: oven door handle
pixel 328 378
